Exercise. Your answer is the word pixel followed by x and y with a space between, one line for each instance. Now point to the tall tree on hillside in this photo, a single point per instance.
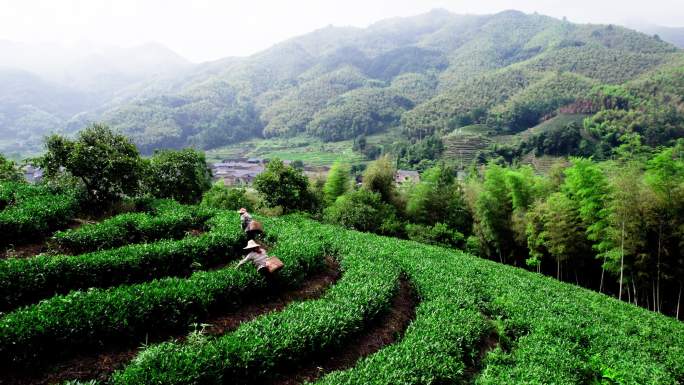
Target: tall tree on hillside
pixel 493 212
pixel 665 176
pixel 182 175
pixel 587 186
pixel 379 177
pixel 284 186
pixel 523 189
pixel 627 213
pixel 108 164
pixel 438 198
pixel 338 182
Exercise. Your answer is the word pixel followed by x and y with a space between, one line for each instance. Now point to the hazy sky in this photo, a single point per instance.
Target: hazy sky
pixel 210 29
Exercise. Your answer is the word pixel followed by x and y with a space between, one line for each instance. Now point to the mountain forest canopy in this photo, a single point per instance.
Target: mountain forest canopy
pixel 431 74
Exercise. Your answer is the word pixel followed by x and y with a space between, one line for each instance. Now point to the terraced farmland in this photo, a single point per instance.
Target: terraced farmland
pixel 349 308
pixel 463 148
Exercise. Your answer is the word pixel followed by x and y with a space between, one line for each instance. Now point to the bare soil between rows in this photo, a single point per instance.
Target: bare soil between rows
pixel 100 365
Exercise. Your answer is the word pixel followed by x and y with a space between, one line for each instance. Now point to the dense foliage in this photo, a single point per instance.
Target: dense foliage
pixel 284 186
pixel 181 175
pixel 108 165
pixel 9 172
pixel 29 211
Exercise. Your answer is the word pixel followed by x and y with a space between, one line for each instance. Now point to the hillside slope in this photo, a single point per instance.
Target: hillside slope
pixel 451 64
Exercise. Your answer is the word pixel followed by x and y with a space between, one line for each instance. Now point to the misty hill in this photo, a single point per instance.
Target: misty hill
pixel 422 75
pixel 419 73
pixel 672 35
pixel 43 86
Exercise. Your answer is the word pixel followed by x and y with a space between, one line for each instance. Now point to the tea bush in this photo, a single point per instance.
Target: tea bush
pixel 30 211
pixel 91 318
pixel 169 220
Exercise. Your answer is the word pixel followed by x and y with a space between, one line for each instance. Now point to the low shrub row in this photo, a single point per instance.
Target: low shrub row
pixel 272 342
pixel 90 318
pixel 546 331
pixel 32 211
pixel 24 281
pixel 434 350
pixel 168 220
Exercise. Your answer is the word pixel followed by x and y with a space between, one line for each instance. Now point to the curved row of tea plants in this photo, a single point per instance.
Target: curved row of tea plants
pixel 444 339
pixel 168 220
pixel 24 281
pixel 548 331
pixel 30 211
pixel 100 316
pixel 268 344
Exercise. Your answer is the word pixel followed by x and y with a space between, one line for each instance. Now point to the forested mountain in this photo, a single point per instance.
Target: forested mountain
pixel 43 86
pixel 671 35
pixel 423 75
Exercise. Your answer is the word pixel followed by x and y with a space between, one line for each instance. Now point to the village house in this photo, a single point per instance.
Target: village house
pixel 237 172
pixel 403 176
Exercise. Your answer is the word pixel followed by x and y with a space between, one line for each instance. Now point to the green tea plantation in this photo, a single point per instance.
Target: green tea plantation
pixel 154 297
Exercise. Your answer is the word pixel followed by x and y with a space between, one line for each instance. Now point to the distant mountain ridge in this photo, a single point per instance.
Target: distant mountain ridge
pixel 672 35
pixel 419 74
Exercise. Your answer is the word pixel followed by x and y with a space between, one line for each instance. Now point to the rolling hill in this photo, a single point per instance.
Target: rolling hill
pixel 420 75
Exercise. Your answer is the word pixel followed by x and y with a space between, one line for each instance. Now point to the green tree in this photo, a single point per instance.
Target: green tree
pixel 438 198
pixel 9 172
pixel 338 182
pixel 665 177
pixel 108 165
pixel 566 240
pixel 222 197
pixel 588 187
pixel 363 210
pixel 379 177
pixel 284 186
pixel 493 210
pixel 182 175
pixel 627 214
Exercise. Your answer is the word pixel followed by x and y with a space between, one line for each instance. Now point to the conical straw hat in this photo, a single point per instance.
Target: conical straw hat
pixel 251 245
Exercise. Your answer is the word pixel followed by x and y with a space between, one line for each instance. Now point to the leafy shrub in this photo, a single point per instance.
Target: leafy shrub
pixel 226 198
pixel 32 211
pixel 27 280
pixel 182 175
pixel 171 222
pixel 98 316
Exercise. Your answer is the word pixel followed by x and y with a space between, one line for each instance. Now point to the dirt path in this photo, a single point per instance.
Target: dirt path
pixel 385 330
pixel 40 245
pixel 100 365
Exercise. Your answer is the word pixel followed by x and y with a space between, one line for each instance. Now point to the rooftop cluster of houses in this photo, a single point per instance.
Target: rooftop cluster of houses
pixel 242 171
pixel 237 171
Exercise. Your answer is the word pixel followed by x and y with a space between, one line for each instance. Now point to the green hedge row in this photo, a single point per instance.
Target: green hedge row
pixel 32 211
pixel 272 342
pixel 169 220
pixel 548 332
pixel 24 281
pixel 90 318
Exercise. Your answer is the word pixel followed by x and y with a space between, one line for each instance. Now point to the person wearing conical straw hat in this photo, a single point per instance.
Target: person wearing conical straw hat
pixel 252 228
pixel 245 218
pixel 257 255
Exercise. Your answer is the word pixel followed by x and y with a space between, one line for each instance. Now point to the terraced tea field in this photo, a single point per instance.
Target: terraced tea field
pixel 348 308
